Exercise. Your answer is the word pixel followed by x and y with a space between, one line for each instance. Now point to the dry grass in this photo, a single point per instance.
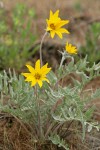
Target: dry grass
pixel 14 135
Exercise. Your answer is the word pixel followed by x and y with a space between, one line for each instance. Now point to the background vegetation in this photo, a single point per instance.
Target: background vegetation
pixel 64 114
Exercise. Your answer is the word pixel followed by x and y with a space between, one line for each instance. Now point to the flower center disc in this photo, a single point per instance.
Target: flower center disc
pixel 37 76
pixel 52 26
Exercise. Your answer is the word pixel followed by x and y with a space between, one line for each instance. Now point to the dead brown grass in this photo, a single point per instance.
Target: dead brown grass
pixel 13 135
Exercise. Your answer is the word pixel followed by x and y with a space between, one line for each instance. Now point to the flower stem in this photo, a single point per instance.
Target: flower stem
pixel 41 44
pixel 62 60
pixel 38 113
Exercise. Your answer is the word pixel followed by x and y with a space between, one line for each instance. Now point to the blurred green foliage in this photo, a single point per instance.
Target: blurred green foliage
pixel 78 6
pixel 92 46
pixel 16 36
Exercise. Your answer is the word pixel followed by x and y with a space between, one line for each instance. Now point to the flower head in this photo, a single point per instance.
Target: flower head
pixel 37 74
pixel 54 25
pixel 70 48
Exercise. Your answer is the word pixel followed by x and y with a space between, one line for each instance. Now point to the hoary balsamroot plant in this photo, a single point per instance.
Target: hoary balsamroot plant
pixel 39 74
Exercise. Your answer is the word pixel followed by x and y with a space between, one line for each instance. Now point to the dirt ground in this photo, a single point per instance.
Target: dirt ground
pixel 81 14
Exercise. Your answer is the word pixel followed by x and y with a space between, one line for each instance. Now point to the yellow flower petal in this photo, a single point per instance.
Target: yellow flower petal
pixel 48 29
pixel 55 15
pixel 62 23
pixel 51 13
pixel 45 79
pixel 33 82
pixel 37 65
pixel 26 74
pixel 63 30
pixel 59 34
pixel 40 83
pixel 29 78
pixel 31 69
pixel 44 69
pixel 52 33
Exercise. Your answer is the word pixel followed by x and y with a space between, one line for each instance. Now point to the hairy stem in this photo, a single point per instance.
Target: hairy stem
pixel 63 58
pixel 38 114
pixel 41 44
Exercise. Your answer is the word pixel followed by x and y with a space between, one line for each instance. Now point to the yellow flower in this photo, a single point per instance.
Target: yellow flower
pixel 37 74
pixel 54 25
pixel 70 48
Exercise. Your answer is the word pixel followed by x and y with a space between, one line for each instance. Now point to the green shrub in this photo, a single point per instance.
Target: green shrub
pixel 92 46
pixel 16 36
pixel 51 109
